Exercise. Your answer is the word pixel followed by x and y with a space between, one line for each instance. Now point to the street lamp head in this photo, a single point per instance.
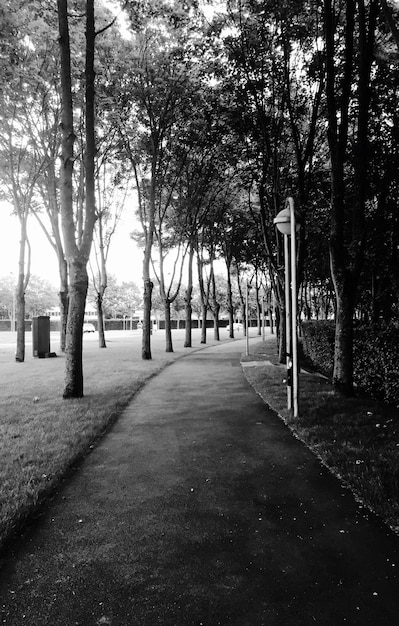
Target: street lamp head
pixel 283 222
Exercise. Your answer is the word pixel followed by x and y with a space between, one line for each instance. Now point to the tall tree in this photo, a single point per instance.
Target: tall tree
pixel 77 244
pixel 112 190
pixel 349 46
pixel 273 87
pixel 158 93
pixel 21 108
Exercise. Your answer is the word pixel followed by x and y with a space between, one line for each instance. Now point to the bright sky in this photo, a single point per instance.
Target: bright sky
pixel 125 259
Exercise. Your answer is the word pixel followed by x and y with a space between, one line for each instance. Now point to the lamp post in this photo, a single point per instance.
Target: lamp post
pixel 288 225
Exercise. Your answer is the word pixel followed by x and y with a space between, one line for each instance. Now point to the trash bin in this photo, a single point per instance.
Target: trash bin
pixel 41 336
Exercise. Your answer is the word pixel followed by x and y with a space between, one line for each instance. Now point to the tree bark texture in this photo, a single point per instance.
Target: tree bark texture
pixel 74 335
pixel 146 338
pixel 20 293
pixel 100 321
pixel 168 327
pixel 187 299
pixel 203 324
pixel 63 299
pixel 90 202
pixel 215 313
pixel 347 232
pixel 20 319
pixel 215 304
pixel 77 244
pixel 343 356
pixel 230 300
pixel 148 285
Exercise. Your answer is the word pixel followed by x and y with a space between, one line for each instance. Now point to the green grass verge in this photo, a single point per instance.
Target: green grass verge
pixel 357 438
pixel 42 436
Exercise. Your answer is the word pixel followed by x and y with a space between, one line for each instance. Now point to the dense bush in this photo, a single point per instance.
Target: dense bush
pixel 317 343
pixel 376 361
pixel 375 356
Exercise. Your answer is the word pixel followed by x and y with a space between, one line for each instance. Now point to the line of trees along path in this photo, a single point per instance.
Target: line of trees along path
pixel 216 116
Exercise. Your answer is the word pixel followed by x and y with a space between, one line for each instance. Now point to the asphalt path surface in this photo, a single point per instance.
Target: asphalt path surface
pixel 201 508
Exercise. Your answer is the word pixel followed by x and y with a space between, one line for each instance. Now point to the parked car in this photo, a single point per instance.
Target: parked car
pixel 88 328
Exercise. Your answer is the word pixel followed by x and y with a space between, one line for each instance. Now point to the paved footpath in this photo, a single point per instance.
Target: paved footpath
pixel 200 508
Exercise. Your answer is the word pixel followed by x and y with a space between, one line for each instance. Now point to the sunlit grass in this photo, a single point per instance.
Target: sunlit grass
pixel 357 438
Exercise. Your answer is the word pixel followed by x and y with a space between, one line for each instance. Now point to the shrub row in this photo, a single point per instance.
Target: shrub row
pixel 317 343
pixel 375 356
pixel 376 362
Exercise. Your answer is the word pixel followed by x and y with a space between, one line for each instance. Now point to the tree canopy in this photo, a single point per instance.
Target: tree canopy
pixel 213 113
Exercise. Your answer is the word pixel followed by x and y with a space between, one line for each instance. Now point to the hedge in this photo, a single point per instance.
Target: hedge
pixel 317 343
pixel 375 356
pixel 376 362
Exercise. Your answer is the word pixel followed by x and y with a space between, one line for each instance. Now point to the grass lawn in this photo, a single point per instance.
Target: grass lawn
pixel 42 436
pixel 357 438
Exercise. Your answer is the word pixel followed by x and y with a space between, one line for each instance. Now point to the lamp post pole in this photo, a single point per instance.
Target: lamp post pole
pixel 288 225
pixel 294 334
pixel 287 288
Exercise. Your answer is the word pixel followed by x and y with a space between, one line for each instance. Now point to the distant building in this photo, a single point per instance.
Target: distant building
pixel 55 312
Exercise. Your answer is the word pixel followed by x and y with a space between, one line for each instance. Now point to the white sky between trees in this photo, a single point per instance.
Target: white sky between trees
pixel 125 258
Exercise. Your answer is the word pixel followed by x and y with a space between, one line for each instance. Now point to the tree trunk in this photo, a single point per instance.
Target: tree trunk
pixel 20 295
pixel 187 300
pixel 20 318
pixel 188 319
pixel 215 313
pixel 242 300
pixel 271 321
pixel 337 133
pixel 343 350
pixel 63 299
pixel 74 344
pixel 100 321
pixel 148 284
pixel 203 325
pixel 146 337
pixel 215 304
pixel 168 327
pixel 258 313
pixel 77 255
pixel 345 95
pixel 73 379
pixel 281 334
pixel 53 211
pixel 230 301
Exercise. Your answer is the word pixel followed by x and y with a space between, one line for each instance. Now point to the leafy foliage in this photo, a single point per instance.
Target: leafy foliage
pixel 376 361
pixel 317 342
pixel 376 356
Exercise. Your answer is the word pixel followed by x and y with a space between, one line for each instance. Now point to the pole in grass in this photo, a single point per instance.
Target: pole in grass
pixel 287 223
